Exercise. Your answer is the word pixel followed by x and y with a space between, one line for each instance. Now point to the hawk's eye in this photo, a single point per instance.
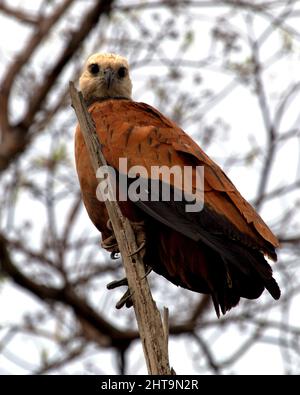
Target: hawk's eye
pixel 94 68
pixel 122 72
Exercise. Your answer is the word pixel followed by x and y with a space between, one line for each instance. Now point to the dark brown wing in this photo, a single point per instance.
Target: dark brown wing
pixel 146 137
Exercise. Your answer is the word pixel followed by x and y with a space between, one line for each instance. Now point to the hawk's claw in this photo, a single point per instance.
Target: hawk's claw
pixel 142 246
pixel 125 300
pixel 117 283
pixel 114 255
pixel 148 270
pixel 111 245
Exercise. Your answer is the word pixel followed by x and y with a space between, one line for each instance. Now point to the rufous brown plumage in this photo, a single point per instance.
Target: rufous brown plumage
pixel 219 250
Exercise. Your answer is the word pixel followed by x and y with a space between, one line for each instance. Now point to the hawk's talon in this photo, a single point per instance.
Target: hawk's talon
pixel 125 300
pixel 129 302
pixel 109 225
pixel 110 244
pixel 140 248
pixel 117 283
pixel 114 255
pixel 148 271
pixel 140 237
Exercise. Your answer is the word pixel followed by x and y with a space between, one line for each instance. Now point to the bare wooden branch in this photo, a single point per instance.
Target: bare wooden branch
pixel 77 36
pixel 18 14
pixel 14 137
pixel 91 321
pixel 148 317
pixel 166 326
pixel 36 38
pixel 269 125
pixel 197 4
pixel 112 336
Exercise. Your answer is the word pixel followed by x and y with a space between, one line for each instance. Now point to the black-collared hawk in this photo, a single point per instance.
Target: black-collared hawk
pixel 219 250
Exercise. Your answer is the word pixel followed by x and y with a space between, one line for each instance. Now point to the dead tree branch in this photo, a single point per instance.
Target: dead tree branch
pixel 15 137
pixel 17 14
pixel 148 317
pixel 111 335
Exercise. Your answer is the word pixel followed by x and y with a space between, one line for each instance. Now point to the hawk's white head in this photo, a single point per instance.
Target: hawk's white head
pixel 105 75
